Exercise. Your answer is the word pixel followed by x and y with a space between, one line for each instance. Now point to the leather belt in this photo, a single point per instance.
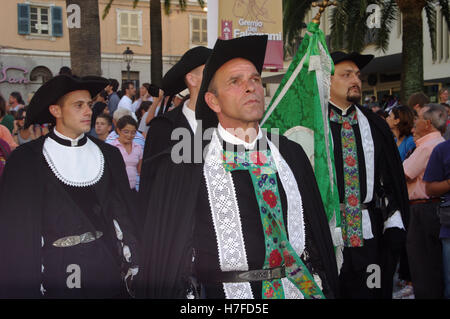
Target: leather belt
pixel 423 201
pixel 70 241
pixel 245 276
pixel 361 206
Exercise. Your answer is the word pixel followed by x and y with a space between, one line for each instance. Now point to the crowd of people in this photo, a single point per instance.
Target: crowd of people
pixel 86 169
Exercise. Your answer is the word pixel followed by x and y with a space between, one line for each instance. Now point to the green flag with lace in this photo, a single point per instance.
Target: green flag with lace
pixel 299 110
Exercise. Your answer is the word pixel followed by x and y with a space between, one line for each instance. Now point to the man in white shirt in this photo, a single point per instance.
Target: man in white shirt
pixel 126 101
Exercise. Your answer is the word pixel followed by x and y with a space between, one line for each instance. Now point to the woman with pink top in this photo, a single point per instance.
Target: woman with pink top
pixel 131 152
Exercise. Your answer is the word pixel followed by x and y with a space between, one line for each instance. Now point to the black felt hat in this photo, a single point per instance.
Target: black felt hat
pixel 361 60
pixel 49 93
pixel 173 80
pixel 252 48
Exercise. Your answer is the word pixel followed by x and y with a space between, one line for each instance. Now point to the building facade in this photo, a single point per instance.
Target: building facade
pixel 34 41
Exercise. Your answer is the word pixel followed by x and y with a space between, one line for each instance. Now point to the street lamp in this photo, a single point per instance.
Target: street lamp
pixel 128 57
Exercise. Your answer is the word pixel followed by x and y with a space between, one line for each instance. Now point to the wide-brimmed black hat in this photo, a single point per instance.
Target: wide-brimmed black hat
pixel 361 60
pixel 252 48
pixel 49 93
pixel 173 80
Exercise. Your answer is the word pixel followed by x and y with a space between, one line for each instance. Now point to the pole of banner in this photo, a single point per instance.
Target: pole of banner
pixel 322 5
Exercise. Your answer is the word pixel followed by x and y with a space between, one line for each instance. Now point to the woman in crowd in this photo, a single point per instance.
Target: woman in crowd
pixel 144 95
pixel 131 152
pixel 401 122
pixel 21 134
pixel 143 108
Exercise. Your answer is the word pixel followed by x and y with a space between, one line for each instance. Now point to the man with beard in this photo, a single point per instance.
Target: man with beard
pixel 371 184
pixel 65 204
pixel 247 221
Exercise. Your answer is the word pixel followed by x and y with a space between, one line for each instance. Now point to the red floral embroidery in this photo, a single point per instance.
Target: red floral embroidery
pixel 355 241
pixel 258 158
pixel 269 230
pixel 275 258
pixel 276 285
pixel 269 293
pixel 288 259
pixel 350 160
pixel 347 125
pixel 270 198
pixel 353 200
pixel 257 172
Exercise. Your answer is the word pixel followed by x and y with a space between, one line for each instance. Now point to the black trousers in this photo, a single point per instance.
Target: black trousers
pixel 354 272
pixel 425 251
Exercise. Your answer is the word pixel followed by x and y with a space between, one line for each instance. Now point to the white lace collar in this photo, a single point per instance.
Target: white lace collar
pixel 74 166
pixel 230 138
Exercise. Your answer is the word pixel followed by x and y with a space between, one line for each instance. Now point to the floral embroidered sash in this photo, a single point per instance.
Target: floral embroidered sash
pixel 351 215
pixel 279 251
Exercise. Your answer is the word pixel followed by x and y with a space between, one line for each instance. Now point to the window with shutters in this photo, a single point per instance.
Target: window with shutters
pixel 129 27
pixel 199 34
pixel 39 21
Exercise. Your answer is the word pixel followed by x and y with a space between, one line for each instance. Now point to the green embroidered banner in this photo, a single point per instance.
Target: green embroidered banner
pixel 299 110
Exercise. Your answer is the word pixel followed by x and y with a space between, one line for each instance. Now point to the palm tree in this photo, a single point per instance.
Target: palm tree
pixel 349 30
pixel 85 51
pixel 156 64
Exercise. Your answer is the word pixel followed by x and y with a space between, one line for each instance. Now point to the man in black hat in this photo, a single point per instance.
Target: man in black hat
pixel 186 73
pixel 247 221
pixel 65 209
pixel 371 184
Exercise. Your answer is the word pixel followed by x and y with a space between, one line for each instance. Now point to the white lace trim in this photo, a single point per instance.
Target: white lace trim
pixel 369 153
pixel 75 166
pixel 295 222
pixel 226 219
pixel 290 290
pixel 239 290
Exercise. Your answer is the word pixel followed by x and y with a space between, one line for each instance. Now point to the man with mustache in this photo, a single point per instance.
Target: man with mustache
pixel 247 221
pixel 65 205
pixel 371 184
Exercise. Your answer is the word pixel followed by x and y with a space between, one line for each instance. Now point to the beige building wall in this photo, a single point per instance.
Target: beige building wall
pixel 176 28
pixel 32 51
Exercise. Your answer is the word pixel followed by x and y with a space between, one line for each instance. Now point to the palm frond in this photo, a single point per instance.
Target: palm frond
pixel 337 19
pixel 430 12
pixel 135 2
pixel 294 13
pixel 107 8
pixel 389 15
pixel 445 9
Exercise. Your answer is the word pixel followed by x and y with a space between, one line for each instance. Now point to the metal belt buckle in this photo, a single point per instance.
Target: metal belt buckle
pixel 70 241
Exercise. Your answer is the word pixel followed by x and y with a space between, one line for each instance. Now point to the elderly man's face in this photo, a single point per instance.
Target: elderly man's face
pixel 345 83
pixel 421 126
pixel 239 98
